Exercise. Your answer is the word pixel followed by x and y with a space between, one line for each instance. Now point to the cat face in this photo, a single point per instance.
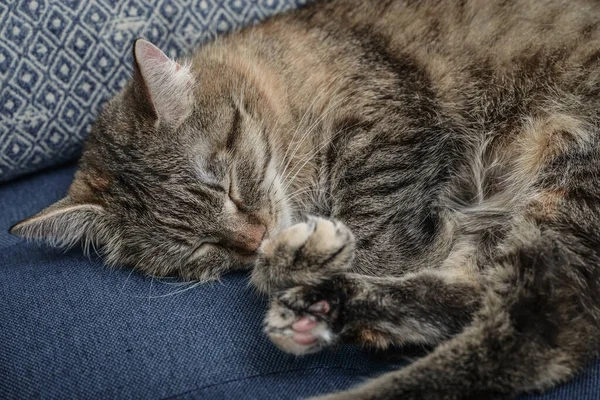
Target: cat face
pixel 178 175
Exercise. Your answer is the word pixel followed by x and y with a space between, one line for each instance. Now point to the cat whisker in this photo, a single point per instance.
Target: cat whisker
pixel 310 130
pixel 126 280
pixel 309 109
pixel 291 142
pixel 190 286
pixel 307 158
pixel 316 191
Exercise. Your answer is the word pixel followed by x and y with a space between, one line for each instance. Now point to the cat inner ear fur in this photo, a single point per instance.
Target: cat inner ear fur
pixel 63 224
pixel 163 86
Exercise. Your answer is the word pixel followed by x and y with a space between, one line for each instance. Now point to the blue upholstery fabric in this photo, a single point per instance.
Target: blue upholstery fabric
pixel 71 328
pixel 60 59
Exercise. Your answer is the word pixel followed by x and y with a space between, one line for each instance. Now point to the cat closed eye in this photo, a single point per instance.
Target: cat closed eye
pixel 239 203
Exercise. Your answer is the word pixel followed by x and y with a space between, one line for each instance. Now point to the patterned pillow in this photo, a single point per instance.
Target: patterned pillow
pixel 60 59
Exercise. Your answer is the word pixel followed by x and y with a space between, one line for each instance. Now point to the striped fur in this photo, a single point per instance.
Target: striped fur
pixel 416 172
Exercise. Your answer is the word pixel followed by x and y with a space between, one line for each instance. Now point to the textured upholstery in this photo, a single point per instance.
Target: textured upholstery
pixel 71 328
pixel 60 59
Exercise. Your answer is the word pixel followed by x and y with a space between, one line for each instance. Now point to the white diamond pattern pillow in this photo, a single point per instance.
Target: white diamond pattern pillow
pixel 60 59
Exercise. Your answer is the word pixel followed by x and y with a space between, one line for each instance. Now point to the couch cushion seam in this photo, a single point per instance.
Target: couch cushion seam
pixel 255 376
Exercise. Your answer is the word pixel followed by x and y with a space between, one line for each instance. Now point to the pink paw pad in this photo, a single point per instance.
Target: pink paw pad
pixel 304 338
pixel 304 324
pixel 303 327
pixel 320 307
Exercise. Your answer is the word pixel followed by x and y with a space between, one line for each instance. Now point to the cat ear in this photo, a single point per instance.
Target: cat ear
pixel 165 85
pixel 63 224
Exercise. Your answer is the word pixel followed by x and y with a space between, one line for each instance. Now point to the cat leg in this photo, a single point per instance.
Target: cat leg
pixel 527 340
pixel 535 325
pixel 305 253
pixel 313 258
pixel 538 323
pixel 380 312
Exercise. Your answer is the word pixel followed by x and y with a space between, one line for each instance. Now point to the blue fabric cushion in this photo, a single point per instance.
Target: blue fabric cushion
pixel 71 328
pixel 60 59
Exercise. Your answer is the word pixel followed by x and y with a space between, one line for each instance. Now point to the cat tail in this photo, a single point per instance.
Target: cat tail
pixel 537 327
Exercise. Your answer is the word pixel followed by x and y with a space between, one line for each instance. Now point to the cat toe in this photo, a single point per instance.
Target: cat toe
pixel 305 253
pixel 315 244
pixel 287 241
pixel 320 307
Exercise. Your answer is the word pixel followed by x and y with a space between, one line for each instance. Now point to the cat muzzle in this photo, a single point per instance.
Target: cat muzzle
pixel 250 239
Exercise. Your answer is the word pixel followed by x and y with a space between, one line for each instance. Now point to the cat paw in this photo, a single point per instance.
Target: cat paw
pixel 316 244
pixel 304 253
pixel 298 324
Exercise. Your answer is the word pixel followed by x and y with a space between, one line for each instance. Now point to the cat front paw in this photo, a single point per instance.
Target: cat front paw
pixel 300 324
pixel 305 253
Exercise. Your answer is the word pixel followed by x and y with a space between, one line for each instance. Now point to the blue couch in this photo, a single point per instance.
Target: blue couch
pixel 72 328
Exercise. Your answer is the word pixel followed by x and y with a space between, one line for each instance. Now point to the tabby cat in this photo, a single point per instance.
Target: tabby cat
pixel 393 172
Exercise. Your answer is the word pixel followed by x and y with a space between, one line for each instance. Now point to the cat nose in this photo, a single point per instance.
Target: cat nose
pixel 249 239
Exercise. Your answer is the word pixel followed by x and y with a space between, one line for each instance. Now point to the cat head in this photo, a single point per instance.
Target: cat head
pixel 178 175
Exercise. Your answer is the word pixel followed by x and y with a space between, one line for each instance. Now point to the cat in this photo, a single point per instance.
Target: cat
pixel 392 172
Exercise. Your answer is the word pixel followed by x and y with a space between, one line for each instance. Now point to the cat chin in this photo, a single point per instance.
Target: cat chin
pixel 245 261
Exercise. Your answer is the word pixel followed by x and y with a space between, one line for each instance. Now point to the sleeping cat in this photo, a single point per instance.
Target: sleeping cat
pixel 393 172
